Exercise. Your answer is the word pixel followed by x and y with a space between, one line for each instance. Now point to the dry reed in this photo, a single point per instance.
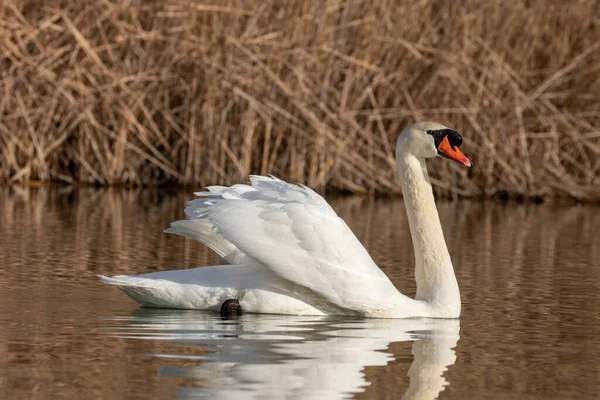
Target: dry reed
pixel 197 93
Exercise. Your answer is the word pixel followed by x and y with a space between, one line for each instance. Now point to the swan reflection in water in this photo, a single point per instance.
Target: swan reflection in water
pixel 268 356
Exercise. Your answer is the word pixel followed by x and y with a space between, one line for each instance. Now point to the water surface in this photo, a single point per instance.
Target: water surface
pixel 529 277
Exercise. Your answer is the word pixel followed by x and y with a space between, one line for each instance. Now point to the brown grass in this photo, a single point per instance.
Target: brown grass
pixel 196 93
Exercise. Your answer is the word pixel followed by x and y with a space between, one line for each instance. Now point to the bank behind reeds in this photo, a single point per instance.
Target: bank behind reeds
pixel 198 93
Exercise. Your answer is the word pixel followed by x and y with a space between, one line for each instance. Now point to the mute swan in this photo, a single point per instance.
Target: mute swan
pixel 291 254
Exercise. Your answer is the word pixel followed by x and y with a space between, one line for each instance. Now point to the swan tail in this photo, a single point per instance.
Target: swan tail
pixel 146 292
pixel 203 231
pixel 162 292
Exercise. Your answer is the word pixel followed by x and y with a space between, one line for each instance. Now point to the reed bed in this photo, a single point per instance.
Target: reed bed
pixel 196 93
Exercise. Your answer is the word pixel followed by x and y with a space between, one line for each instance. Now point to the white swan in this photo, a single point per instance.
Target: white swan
pixel 291 254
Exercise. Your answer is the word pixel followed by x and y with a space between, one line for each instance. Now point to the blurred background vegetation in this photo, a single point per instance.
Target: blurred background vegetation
pixel 197 92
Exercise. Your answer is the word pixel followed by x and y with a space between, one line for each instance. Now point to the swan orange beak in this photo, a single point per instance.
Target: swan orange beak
pixel 445 149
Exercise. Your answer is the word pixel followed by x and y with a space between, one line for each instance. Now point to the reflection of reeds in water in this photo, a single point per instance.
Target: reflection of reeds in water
pixel 53 241
pixel 185 92
pixel 122 229
pixel 528 277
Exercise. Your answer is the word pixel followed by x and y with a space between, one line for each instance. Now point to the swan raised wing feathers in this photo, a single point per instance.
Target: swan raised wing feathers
pixel 202 229
pixel 292 231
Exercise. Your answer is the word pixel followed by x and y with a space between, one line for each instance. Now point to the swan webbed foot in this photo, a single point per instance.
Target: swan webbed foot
pixel 231 309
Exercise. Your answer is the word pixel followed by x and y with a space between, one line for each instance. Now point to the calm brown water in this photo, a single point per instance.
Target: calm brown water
pixel 529 277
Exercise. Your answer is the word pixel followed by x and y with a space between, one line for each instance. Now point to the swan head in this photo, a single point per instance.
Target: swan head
pixel 430 139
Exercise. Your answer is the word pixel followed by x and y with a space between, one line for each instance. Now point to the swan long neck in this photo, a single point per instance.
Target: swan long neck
pixel 434 274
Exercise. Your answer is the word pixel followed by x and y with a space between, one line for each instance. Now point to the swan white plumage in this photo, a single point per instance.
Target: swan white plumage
pixel 289 252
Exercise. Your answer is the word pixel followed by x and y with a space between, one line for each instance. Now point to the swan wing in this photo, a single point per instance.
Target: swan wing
pixel 202 230
pixel 293 231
